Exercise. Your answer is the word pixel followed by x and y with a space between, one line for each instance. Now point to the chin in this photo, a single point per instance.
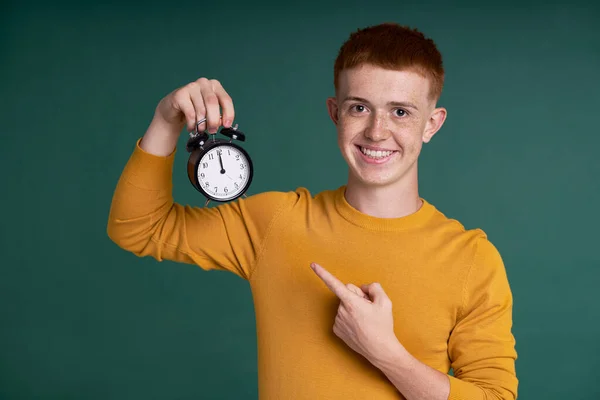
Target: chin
pixel 394 175
pixel 374 182
pixel 363 176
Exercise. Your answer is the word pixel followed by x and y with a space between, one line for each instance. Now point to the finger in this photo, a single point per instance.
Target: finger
pixel 333 283
pixel 227 109
pixel 341 323
pixel 198 102
pixel 357 290
pixel 376 293
pixel 342 319
pixel 183 103
pixel 211 104
pixel 337 330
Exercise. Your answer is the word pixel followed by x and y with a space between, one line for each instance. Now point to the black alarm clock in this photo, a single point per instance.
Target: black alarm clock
pixel 220 169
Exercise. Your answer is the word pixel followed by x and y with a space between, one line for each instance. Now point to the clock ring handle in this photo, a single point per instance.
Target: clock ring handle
pixel 200 122
pixel 197 138
pixel 234 133
pixel 197 132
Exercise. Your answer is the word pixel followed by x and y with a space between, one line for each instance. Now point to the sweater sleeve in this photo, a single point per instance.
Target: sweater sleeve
pixel 145 221
pixel 482 346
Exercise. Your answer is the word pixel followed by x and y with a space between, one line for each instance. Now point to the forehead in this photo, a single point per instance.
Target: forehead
pixel 378 84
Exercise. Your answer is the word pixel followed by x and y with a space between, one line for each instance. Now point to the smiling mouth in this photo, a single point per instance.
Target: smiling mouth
pixel 376 154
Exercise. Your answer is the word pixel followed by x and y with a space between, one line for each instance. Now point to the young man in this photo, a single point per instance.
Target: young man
pixel 366 291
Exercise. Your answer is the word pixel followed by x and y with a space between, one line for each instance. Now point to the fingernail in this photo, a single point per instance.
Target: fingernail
pixel 227 124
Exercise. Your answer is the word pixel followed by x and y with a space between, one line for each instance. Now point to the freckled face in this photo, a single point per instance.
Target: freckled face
pixel 382 118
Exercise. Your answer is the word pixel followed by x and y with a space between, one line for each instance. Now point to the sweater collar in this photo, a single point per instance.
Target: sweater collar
pixel 354 216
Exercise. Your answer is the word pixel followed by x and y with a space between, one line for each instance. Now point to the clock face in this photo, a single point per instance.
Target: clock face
pixel 224 172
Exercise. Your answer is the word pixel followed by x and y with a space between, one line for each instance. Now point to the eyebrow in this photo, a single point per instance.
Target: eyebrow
pixel 390 103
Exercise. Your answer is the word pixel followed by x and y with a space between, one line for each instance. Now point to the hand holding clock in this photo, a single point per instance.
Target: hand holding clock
pixel 203 98
pixel 202 106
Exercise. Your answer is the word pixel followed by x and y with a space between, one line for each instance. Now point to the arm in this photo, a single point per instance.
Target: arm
pixel 481 345
pixel 364 322
pixel 412 378
pixel 145 220
pixel 143 217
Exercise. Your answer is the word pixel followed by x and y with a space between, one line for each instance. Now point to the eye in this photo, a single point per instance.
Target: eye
pixel 400 112
pixel 358 108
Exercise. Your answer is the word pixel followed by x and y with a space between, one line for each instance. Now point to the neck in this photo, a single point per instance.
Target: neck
pixel 391 201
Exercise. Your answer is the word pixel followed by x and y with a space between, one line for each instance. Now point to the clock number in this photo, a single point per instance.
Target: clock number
pixel 236 185
pixel 241 177
pixel 228 152
pixel 219 152
pixel 215 189
pixel 202 175
pixel 206 184
pixel 237 157
pixel 226 190
pixel 241 166
pixel 204 165
pixel 211 156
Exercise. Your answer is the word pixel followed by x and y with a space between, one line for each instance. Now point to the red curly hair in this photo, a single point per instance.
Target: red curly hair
pixel 392 46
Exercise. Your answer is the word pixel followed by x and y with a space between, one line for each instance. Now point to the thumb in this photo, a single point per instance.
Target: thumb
pixel 355 289
pixel 376 293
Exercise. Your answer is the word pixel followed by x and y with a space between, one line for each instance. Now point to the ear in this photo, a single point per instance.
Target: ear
pixel 435 122
pixel 332 108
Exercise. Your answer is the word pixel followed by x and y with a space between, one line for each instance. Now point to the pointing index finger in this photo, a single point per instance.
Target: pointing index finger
pixel 333 283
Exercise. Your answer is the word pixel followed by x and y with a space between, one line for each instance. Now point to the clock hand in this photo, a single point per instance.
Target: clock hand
pixel 221 162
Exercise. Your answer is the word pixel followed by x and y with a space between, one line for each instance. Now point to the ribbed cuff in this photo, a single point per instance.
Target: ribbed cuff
pixel 460 390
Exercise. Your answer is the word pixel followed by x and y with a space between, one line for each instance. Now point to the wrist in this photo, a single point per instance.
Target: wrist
pixel 159 125
pixel 392 356
pixel 161 137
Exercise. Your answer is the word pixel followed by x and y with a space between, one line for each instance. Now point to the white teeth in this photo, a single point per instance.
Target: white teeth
pixel 375 153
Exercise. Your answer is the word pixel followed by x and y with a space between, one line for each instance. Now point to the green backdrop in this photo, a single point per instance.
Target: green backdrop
pixel 82 319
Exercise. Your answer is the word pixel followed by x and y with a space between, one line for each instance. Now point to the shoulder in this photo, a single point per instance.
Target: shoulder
pixel 453 228
pixel 474 240
pixel 282 197
pixel 297 196
pixel 482 266
pixel 280 201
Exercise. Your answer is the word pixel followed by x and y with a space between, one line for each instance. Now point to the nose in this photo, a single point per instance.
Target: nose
pixel 377 129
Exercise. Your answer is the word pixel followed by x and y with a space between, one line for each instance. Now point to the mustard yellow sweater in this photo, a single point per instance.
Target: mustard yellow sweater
pixel 452 304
